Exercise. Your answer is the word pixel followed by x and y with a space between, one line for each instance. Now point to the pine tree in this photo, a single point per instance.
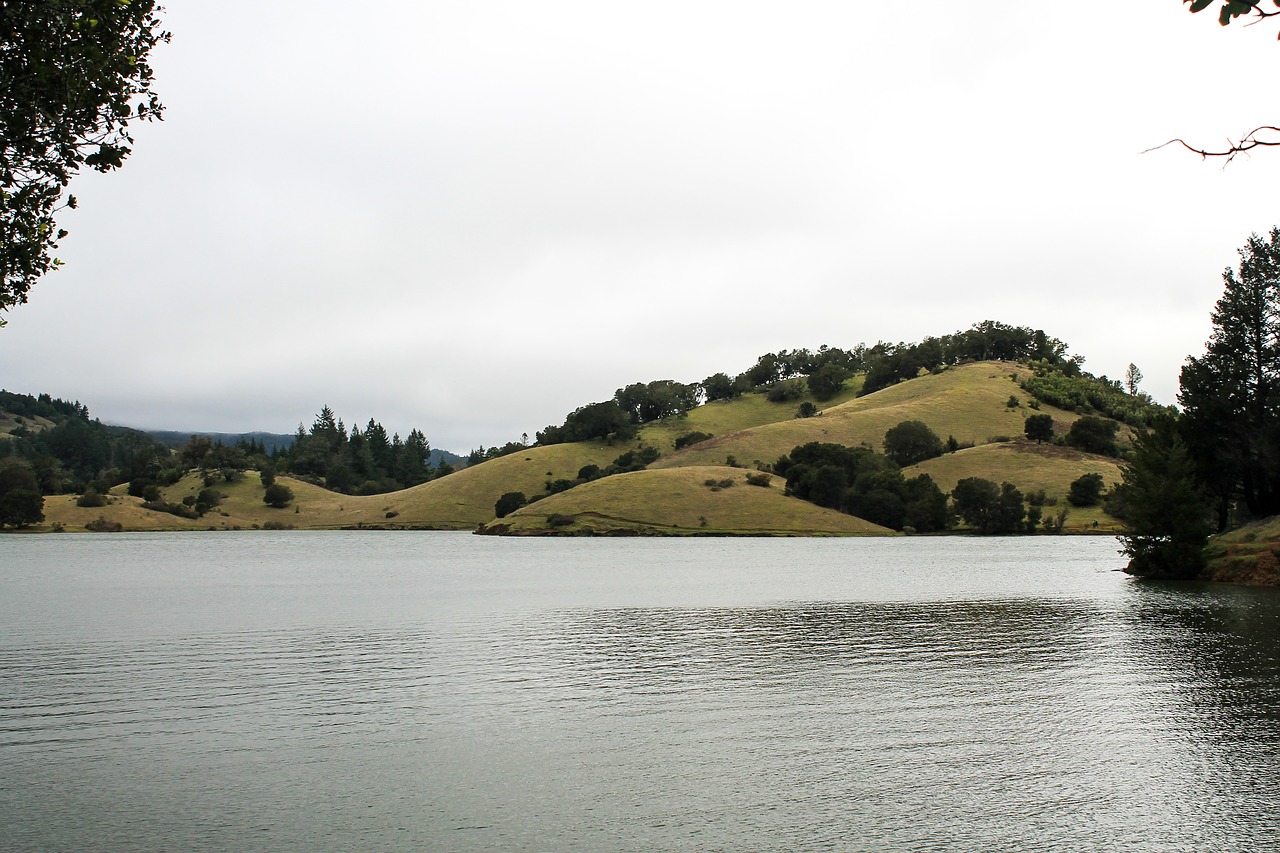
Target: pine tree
pixel 1166 520
pixel 1231 394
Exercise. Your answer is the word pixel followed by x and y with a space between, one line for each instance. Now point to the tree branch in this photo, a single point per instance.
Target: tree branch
pixel 1246 143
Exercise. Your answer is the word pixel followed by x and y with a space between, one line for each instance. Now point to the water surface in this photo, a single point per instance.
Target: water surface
pixel 442 691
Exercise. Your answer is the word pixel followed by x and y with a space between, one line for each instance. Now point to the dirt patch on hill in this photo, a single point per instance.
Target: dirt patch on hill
pixel 1246 564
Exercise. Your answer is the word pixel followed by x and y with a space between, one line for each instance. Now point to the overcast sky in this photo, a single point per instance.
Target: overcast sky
pixel 473 217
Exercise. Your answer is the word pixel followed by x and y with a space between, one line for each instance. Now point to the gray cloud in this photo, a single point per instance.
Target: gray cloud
pixel 472 218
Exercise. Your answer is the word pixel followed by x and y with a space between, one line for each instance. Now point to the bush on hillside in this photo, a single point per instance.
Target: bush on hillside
pixel 910 442
pixel 277 495
pixel 21 508
pixel 90 498
pixel 1094 435
pixel 1086 491
pixel 691 438
pixel 1039 428
pixel 509 503
pixel 788 389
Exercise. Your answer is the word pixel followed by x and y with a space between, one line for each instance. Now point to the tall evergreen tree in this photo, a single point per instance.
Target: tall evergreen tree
pixel 1166 520
pixel 1231 394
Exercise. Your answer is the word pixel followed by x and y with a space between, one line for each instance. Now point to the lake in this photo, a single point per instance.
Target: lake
pixel 451 692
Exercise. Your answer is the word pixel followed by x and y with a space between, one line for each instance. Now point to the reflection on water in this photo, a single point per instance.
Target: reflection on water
pixel 449 701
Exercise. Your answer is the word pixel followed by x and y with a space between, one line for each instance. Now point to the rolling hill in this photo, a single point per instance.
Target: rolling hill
pixel 702 499
pixel 970 402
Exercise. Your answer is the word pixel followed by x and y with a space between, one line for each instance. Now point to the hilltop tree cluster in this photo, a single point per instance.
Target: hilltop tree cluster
pixel 787 375
pixel 984 341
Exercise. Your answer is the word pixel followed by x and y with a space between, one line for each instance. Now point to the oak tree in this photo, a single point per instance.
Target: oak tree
pixel 73 75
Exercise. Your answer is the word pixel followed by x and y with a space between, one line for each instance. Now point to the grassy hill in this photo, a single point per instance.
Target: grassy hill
pixel 726 417
pixel 969 402
pixel 314 508
pixel 680 502
pixel 1032 468
pixel 1248 555
pixel 465 499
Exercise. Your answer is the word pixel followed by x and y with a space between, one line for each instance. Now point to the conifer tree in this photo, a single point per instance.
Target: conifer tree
pixel 1231 394
pixel 1166 520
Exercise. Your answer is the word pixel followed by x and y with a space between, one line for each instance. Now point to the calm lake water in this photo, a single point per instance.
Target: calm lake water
pixel 450 692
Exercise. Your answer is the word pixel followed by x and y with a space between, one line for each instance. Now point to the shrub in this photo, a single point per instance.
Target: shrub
pixel 180 510
pixel 276 525
pixel 207 500
pixel 691 438
pixel 1086 491
pixel 806 410
pixel 760 479
pixel 91 498
pixel 828 381
pixel 1055 523
pixel 587 473
pixel 987 507
pixel 1039 428
pixel 391 514
pixel 630 461
pixel 1013 402
pixel 1094 435
pixel 509 503
pixel 277 495
pixel 21 507
pixel 101 525
pixel 910 442
pixel 781 392
pixel 151 492
pixel 558 520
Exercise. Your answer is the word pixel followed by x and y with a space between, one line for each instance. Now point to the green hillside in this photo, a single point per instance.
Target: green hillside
pixel 1032 468
pixel 704 499
pixel 968 402
pixel 724 417
pixel 465 499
